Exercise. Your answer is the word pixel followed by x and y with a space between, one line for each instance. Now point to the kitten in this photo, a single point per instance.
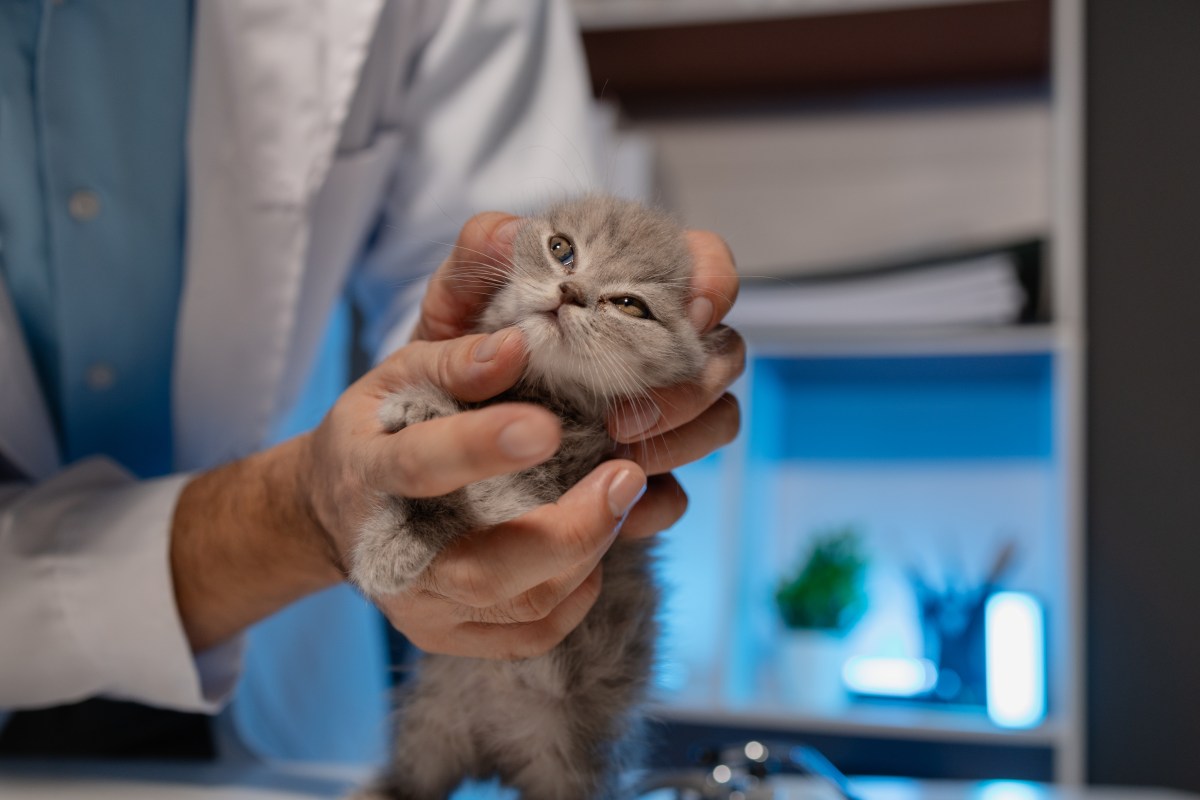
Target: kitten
pixel 600 289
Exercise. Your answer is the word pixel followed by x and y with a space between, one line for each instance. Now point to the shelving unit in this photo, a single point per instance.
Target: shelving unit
pixel 752 503
pixel 626 14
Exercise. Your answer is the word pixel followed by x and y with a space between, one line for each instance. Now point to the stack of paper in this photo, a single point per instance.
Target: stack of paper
pixel 978 291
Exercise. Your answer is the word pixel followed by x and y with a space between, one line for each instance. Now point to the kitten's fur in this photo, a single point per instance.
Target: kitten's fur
pixel 552 726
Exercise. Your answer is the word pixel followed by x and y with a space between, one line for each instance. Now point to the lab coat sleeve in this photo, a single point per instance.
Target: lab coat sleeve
pixel 496 116
pixel 87 605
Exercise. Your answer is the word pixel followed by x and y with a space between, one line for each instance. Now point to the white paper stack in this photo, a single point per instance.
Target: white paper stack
pixel 978 291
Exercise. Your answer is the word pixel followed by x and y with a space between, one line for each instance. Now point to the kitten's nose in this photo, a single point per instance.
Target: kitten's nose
pixel 569 292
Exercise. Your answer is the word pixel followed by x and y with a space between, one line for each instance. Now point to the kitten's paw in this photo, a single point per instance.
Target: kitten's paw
pixel 387 556
pixel 413 405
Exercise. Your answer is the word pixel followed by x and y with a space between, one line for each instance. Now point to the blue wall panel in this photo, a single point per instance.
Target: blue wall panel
pixel 903 408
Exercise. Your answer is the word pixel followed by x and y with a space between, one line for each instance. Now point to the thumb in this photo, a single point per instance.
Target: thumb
pixel 471 368
pixel 477 265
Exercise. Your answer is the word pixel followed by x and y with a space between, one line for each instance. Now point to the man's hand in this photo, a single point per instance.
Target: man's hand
pixel 519 588
pixel 539 572
pixel 261 532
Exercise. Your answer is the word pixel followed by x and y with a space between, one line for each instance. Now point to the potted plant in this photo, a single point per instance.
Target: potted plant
pixel 818 604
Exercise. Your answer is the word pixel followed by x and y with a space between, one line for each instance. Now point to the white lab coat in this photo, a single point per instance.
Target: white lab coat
pixel 332 144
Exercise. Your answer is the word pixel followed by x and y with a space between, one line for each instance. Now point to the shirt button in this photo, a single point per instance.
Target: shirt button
pixel 84 205
pixel 100 376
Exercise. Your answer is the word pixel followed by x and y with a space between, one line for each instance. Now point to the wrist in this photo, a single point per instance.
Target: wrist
pixel 291 516
pixel 245 544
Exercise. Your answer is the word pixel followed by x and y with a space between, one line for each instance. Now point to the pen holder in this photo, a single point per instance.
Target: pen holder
pixel 952 627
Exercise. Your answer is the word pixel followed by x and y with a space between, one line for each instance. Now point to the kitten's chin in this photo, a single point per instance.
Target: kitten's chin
pixel 562 370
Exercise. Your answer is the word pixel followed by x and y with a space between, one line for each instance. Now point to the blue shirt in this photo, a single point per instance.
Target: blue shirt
pixel 93 113
pixel 93 116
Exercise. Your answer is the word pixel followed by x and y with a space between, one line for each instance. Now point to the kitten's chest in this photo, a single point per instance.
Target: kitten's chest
pixel 585 443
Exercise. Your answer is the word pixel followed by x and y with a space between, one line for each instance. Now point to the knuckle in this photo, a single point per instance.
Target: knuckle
pixel 474 588
pixel 546 635
pixel 730 417
pixel 578 541
pixel 589 590
pixel 444 364
pixel 408 476
pixel 535 604
pixel 735 359
pixel 519 642
pixel 679 503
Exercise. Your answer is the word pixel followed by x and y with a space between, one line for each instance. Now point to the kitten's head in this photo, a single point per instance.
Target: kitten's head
pixel 600 288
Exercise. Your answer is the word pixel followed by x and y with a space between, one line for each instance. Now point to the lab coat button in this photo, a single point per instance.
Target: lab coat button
pixel 84 205
pixel 100 376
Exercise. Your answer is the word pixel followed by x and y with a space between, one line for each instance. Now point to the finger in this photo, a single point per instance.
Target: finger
pixel 664 409
pixel 494 565
pixel 479 262
pixel 662 506
pixel 508 641
pixel 436 457
pixel 471 368
pixel 659 508
pixel 533 604
pixel 716 427
pixel 714 279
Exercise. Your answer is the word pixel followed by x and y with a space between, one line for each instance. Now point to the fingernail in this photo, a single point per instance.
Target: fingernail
pixel 525 439
pixel 489 347
pixel 505 234
pixel 634 421
pixel 623 492
pixel 701 313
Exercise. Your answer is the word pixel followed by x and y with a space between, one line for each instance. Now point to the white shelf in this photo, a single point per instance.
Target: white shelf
pixel 597 15
pixel 889 722
pixel 824 190
pixel 916 341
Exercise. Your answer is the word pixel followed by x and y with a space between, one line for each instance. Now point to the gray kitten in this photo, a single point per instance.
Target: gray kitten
pixel 600 289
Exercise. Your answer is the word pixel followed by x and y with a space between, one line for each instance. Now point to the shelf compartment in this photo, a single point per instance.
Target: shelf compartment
pixel 903 408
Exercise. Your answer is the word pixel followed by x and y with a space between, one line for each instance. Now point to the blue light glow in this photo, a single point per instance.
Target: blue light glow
pixel 1016 660
pixel 889 677
pixel 1009 790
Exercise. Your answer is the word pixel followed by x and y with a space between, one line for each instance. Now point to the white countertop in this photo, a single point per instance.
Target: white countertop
pixel 69 780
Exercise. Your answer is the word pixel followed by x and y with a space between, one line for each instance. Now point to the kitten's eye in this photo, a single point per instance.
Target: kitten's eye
pixel 632 306
pixel 562 250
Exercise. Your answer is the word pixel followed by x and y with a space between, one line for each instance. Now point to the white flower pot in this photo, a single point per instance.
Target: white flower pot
pixel 810 670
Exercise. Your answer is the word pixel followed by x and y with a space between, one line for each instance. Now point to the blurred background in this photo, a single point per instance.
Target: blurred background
pixel 892 562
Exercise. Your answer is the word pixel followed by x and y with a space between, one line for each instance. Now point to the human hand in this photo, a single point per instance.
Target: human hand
pixel 517 589
pixel 510 591
pixel 258 533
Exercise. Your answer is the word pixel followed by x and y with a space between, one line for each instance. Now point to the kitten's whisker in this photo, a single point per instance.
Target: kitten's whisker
pixel 489 258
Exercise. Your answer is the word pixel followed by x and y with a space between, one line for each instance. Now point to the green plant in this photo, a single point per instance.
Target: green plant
pixel 827 591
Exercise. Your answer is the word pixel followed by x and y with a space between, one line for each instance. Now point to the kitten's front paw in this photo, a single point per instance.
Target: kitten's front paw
pixel 388 556
pixel 413 405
